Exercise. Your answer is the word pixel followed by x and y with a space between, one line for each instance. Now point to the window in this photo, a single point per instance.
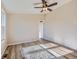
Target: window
pixel 3 25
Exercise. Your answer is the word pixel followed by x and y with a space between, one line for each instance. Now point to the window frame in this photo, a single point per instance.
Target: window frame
pixel 3 25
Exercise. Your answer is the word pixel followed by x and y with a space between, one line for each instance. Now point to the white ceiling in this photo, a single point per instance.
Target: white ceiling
pixel 27 6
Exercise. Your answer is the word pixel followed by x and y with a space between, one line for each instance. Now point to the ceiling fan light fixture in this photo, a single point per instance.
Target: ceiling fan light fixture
pixel 45 6
pixel 45 9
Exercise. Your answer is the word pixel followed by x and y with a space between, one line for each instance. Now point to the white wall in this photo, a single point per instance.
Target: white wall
pixel 23 28
pixel 61 25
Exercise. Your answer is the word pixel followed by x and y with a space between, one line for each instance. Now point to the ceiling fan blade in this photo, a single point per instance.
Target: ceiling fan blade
pixel 41 11
pixel 49 9
pixel 37 3
pixel 52 4
pixel 43 1
pixel 38 7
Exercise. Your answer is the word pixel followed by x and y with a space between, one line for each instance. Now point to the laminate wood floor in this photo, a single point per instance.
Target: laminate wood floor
pixel 17 51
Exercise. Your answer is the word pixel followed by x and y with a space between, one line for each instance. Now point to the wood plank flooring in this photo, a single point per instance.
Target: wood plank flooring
pixel 14 51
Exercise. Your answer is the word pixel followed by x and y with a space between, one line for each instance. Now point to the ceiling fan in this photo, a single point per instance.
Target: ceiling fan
pixel 45 6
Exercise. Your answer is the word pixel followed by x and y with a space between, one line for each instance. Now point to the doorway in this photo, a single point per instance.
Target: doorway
pixel 41 30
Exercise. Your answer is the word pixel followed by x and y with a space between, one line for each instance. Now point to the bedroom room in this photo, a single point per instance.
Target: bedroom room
pixel 38 29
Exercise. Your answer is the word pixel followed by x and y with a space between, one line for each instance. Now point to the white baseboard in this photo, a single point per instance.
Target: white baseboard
pixel 20 42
